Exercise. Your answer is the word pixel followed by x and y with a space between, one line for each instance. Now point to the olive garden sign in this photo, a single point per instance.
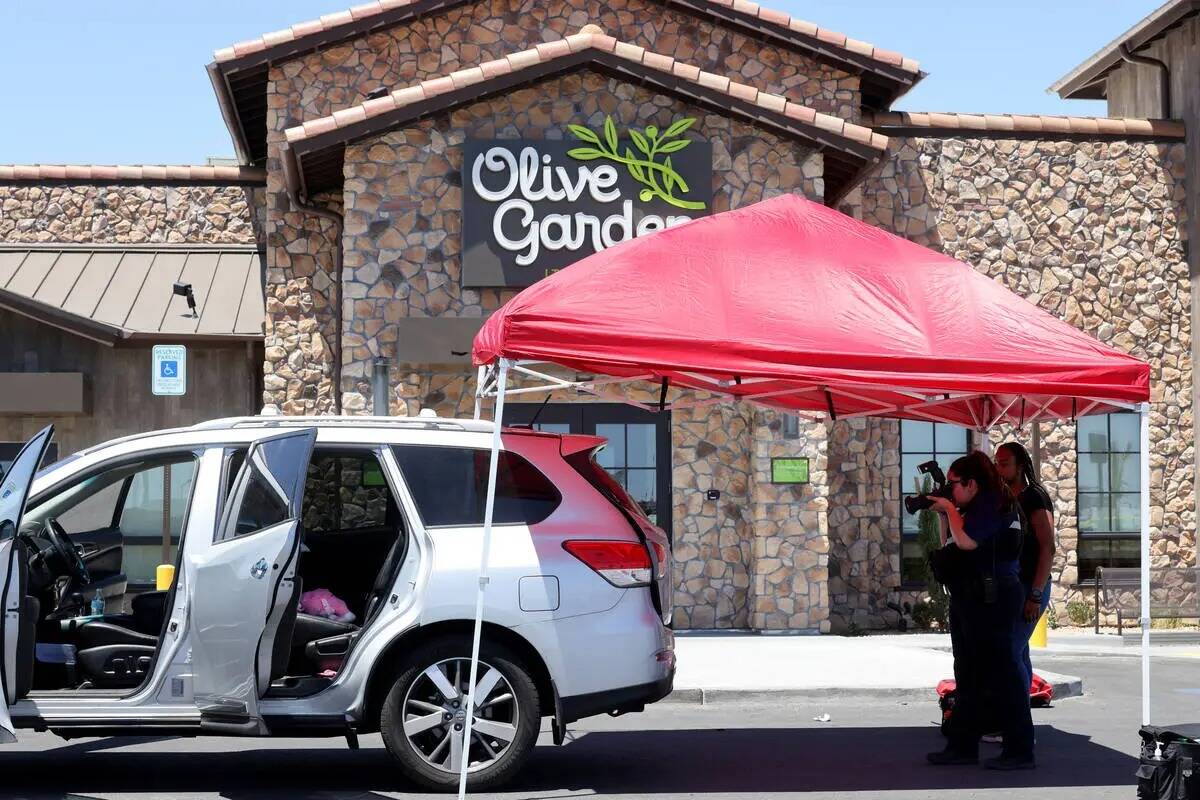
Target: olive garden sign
pixel 533 207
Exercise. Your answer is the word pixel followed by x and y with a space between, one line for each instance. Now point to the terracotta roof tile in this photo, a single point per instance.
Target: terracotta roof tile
pixel 369 11
pixel 658 61
pixel 493 68
pixel 830 123
pixel 366 10
pixel 711 80
pixel 548 51
pixel 831 37
pixel 380 105
pixel 465 77
pixel 127 172
pixel 1028 123
pixel 774 17
pixel 772 102
pixel 349 116
pixel 686 71
pixel 743 92
pixel 802 26
pixel 800 112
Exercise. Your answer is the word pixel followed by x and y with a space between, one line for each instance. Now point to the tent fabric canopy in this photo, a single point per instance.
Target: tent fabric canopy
pixel 794 305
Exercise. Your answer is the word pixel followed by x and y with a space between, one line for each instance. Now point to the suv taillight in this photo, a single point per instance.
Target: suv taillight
pixel 623 564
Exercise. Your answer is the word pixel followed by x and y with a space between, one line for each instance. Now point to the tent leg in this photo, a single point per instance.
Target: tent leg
pixel 469 700
pixel 1144 413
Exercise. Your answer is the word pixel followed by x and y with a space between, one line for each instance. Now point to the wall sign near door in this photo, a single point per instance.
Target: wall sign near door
pixel 533 207
pixel 789 470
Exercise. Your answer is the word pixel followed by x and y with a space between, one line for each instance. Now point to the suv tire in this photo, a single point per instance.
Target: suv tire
pixel 418 689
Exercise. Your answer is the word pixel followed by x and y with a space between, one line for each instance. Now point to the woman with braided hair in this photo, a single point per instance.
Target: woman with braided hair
pixel 1037 549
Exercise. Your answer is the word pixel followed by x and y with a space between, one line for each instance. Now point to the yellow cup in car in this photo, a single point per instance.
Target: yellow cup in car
pixel 164 576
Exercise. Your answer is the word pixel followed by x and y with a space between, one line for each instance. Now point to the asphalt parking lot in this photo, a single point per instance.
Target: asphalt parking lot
pixel 875 749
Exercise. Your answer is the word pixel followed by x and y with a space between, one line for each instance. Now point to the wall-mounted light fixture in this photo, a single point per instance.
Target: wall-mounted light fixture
pixel 185 290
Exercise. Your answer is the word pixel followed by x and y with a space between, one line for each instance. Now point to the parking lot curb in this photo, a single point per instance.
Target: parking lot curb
pixel 1065 686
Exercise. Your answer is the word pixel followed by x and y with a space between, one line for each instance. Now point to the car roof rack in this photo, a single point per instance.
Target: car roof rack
pixel 285 421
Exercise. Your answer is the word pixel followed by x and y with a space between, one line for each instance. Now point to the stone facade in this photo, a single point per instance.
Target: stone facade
pixel 403 205
pixel 120 214
pixel 1072 225
pixel 299 255
pixel 1093 232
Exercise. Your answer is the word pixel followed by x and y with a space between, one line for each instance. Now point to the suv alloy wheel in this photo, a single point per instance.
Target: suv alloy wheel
pixel 424 714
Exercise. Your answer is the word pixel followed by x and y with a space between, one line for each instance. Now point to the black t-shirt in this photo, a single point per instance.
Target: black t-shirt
pixel 996 528
pixel 1033 498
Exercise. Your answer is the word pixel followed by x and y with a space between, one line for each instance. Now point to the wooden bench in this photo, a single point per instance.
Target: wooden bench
pixel 1173 593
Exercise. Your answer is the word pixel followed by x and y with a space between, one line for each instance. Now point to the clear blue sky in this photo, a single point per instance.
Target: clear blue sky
pixel 124 81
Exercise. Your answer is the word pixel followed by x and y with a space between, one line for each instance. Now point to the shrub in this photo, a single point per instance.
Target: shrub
pixel 1079 612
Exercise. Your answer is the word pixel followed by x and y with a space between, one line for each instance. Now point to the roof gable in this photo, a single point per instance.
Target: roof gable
pixel 239 73
pixel 1085 82
pixel 313 153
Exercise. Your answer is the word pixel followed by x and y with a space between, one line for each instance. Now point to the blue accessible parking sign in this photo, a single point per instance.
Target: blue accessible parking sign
pixel 169 373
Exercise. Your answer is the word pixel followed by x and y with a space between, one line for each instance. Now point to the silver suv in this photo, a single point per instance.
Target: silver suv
pixel 324 579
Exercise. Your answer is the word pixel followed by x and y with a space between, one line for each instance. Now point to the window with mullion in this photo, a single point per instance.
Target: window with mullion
pixel 921 442
pixel 1108 475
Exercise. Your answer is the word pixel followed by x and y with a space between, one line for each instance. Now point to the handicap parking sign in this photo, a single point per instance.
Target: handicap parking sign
pixel 169 373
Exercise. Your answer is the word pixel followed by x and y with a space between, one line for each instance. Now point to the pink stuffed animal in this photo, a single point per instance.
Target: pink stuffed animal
pixel 324 603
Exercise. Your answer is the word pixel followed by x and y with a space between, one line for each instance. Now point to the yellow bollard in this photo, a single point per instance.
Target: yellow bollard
pixel 164 576
pixel 1038 637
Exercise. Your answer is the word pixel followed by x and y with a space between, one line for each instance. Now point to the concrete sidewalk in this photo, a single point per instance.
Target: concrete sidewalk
pixel 747 667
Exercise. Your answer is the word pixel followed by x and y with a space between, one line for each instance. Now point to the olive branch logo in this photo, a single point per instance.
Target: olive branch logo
pixel 660 179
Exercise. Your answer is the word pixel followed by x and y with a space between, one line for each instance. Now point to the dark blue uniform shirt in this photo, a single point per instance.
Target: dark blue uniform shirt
pixel 996 528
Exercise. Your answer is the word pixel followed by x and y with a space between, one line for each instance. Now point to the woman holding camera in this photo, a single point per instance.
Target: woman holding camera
pixel 986 605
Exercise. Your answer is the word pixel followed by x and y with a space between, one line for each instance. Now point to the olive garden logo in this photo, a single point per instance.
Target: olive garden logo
pixel 533 207
pixel 660 180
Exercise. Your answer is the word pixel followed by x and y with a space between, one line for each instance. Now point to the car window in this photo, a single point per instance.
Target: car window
pixel 449 486
pixel 156 498
pixel 260 506
pixel 96 511
pixel 346 492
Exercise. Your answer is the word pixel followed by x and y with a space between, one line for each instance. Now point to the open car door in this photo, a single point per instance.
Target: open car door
pixel 20 612
pixel 244 585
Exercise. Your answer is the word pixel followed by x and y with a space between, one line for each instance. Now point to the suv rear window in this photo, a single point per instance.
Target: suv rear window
pixel 449 485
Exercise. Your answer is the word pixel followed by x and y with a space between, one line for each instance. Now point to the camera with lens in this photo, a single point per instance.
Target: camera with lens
pixel 940 488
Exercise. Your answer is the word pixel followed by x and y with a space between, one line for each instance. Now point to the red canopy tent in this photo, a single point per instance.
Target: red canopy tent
pixel 794 305
pixel 798 306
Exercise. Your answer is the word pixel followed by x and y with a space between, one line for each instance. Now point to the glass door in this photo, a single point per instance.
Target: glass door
pixel 638 454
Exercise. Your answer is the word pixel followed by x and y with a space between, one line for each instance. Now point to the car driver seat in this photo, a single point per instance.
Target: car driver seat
pixel 116 652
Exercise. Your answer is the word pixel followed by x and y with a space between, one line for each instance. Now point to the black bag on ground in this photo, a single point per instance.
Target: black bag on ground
pixel 1170 762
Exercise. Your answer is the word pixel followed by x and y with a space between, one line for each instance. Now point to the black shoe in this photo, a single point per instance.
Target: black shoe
pixel 951 758
pixel 1009 763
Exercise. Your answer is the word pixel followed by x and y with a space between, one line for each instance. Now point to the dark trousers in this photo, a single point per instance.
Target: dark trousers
pixel 989 670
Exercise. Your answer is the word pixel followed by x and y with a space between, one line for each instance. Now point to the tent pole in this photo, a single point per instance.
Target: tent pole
pixel 469 700
pixel 1144 413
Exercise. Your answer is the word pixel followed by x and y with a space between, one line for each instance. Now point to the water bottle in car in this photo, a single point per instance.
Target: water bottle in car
pixel 97 605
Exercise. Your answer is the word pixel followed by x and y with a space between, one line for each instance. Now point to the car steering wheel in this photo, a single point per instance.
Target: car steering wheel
pixel 65 550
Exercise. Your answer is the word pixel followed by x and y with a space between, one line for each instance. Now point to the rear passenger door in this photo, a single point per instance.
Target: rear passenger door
pixel 244 583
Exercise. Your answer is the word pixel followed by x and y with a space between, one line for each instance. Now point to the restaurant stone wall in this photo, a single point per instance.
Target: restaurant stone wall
pixel 300 255
pixel 746 557
pixel 1091 231
pixel 95 213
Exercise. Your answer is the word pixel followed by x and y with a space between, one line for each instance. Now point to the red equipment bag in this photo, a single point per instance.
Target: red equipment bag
pixel 1041 692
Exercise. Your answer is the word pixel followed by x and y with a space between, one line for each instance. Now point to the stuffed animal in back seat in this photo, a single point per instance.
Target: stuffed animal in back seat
pixel 324 603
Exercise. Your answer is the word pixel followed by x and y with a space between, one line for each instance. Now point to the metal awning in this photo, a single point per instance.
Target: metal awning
pixel 122 294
